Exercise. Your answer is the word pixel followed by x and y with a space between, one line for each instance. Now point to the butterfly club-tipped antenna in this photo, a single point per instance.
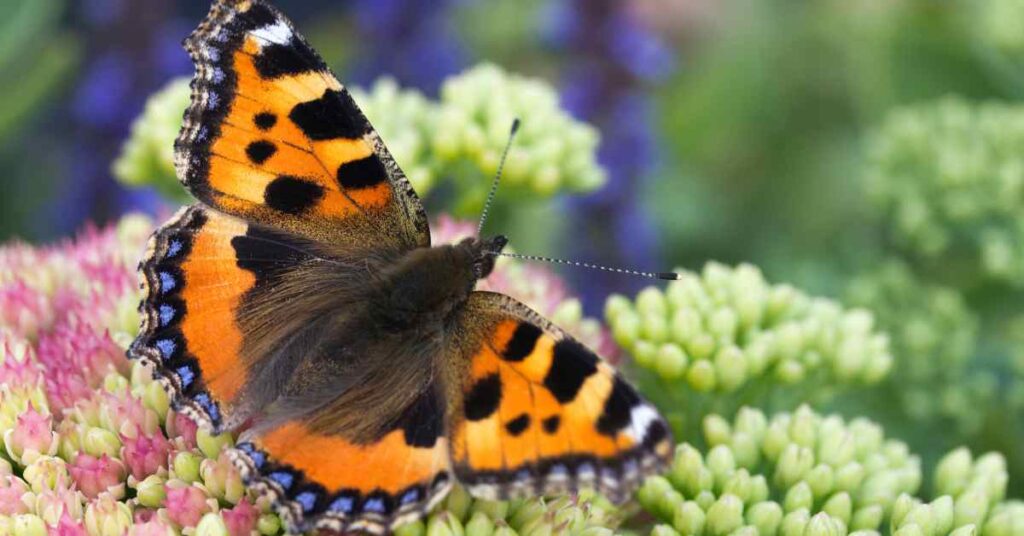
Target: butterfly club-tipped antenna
pixel 497 177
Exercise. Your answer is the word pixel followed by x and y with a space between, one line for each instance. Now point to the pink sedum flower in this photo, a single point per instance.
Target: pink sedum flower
pixel 31 437
pixel 67 526
pixel 95 476
pixel 182 428
pixel 145 454
pixel 15 497
pixel 55 505
pixel 241 520
pixel 185 505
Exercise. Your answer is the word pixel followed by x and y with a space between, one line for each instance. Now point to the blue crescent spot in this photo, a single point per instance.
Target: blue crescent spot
pixel 375 504
pixel 307 499
pixel 558 470
pixel 246 447
pixel 186 375
pixel 167 282
pixel 212 100
pixel 166 314
pixel 258 459
pixel 410 496
pixel 174 248
pixel 342 504
pixel 585 467
pixel 166 347
pixel 283 478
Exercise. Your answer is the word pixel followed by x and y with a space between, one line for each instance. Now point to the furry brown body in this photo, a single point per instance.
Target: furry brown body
pixel 358 335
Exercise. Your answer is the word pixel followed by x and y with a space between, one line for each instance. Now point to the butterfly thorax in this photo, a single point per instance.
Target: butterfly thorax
pixel 423 287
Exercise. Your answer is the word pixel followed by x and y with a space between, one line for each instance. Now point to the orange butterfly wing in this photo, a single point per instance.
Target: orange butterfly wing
pixel 272 136
pixel 542 414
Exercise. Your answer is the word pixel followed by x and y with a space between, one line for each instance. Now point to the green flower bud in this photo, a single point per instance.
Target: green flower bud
pixel 670 362
pixel 444 524
pixel 185 466
pixel 210 445
pixel 821 524
pixel 839 506
pixel 794 523
pixel 479 525
pixel 971 508
pixel 868 518
pixel 966 530
pixel 151 491
pixel 766 516
pixel 268 524
pixel 98 441
pixel 799 497
pixel 211 525
pixel 689 519
pixel 725 515
pixel 701 376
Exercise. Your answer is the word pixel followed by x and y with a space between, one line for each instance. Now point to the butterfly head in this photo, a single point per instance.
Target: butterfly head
pixel 484 253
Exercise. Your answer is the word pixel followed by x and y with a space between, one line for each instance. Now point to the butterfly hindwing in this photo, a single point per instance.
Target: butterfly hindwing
pixel 540 413
pixel 272 136
pixel 202 271
pixel 320 478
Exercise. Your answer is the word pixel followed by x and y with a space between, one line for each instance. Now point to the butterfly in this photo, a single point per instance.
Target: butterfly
pixel 301 302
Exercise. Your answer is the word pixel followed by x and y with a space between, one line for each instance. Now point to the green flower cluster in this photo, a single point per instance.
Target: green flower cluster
pixel 460 137
pixel 552 152
pixel 585 514
pixel 948 177
pixel 147 156
pixel 934 336
pixel 727 328
pixel 808 474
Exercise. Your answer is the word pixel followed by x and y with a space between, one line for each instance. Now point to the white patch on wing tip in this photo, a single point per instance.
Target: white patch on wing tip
pixel 640 419
pixel 278 33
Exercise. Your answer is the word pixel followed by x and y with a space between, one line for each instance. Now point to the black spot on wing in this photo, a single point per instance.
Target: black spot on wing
pixel 292 194
pixel 423 422
pixel 656 433
pixel 518 425
pixel 571 365
pixel 522 342
pixel 295 57
pixel 551 424
pixel 483 398
pixel 333 115
pixel 260 151
pixel 617 408
pixel 264 120
pixel 363 173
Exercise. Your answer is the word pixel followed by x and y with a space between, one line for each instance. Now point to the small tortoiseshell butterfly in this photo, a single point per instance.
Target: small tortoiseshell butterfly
pixel 300 300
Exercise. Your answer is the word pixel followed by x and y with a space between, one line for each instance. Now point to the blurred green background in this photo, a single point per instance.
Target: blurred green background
pixel 865 151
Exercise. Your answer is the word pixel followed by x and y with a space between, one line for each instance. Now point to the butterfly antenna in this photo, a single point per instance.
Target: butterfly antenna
pixel 667 276
pixel 497 176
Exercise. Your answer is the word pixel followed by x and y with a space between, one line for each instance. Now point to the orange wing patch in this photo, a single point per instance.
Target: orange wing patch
pixel 542 414
pixel 322 480
pixel 272 136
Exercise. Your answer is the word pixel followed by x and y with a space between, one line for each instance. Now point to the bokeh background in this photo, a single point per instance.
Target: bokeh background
pixel 866 152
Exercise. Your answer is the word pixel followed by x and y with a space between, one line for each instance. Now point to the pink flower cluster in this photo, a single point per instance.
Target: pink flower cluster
pixel 88 444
